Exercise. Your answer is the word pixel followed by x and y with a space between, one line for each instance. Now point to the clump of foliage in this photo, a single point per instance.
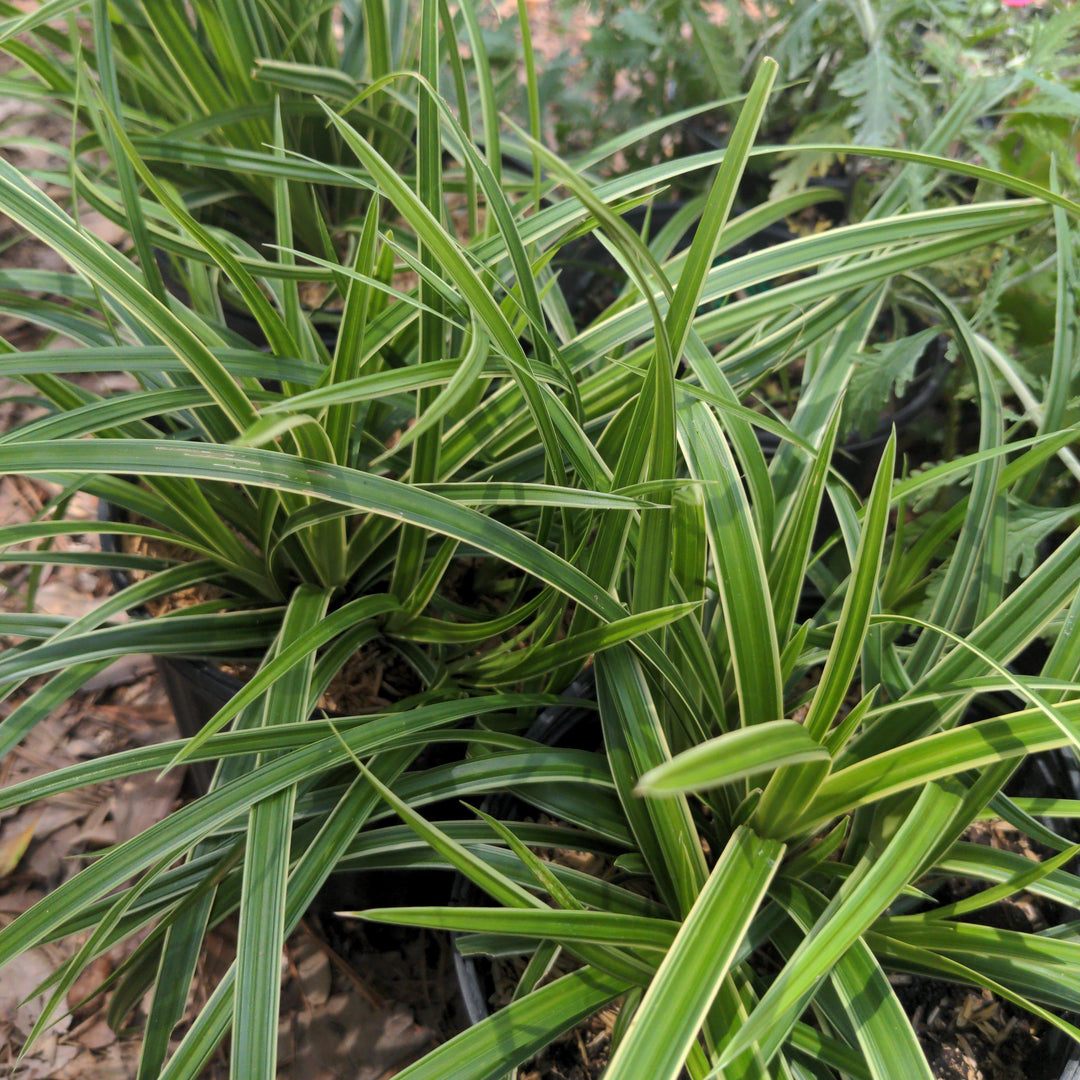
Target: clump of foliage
pixel 220 99
pixel 608 485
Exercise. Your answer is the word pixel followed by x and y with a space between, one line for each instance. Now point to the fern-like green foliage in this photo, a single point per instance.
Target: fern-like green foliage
pixel 884 94
pixel 1028 529
pixel 882 371
pixel 859 71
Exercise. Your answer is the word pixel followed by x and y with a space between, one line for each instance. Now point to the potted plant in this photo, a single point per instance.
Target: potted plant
pixel 460 484
pixel 772 832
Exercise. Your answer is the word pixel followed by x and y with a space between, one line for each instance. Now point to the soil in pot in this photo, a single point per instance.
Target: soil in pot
pixel 964 1033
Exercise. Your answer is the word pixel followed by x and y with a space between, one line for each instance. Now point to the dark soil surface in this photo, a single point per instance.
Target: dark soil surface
pixel 970 1035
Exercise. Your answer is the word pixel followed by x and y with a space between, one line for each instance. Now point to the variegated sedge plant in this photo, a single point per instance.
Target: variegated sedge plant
pixel 726 829
pixel 206 91
pixel 823 837
pixel 592 477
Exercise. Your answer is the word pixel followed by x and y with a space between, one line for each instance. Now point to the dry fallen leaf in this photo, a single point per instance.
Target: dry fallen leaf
pixel 117 1061
pixel 16 901
pixel 51 860
pixel 312 969
pixel 143 800
pixel 119 673
pixel 97 1036
pixel 65 594
pixel 87 982
pixel 14 848
pixel 22 976
pixel 47 1060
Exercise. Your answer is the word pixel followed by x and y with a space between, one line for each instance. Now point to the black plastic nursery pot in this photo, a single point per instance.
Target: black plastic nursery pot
pixel 571 725
pixel 699 135
pixel 558 725
pixel 196 691
pixel 197 688
pixel 1050 771
pixel 591 279
pixel 1058 1057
